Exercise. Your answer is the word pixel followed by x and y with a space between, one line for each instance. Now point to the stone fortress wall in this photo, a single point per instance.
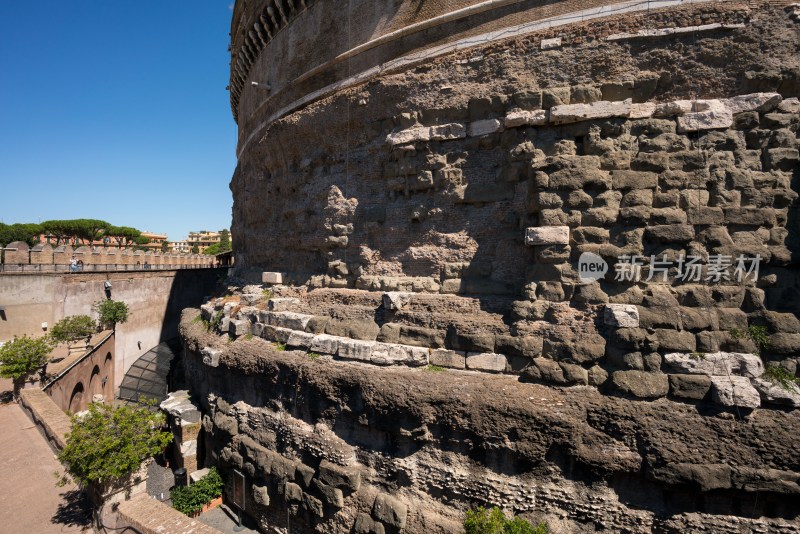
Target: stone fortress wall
pixel 440 176
pixel 44 257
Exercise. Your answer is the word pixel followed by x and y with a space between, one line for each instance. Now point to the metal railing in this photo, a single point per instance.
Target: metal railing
pixel 96 267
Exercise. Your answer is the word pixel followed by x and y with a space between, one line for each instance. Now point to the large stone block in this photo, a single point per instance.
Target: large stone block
pixel 272 278
pixel 325 344
pixel 410 135
pixel 210 356
pixel 693 387
pixel 772 393
pixel 448 358
pixel 390 510
pixel 396 300
pixel 302 340
pixel 640 384
pixel 447 132
pixel 291 320
pixel 366 525
pixel 515 119
pixel 395 354
pixel 486 361
pixel 338 476
pixel 570 113
pixel 333 496
pixel 715 116
pixel 356 350
pixel 621 315
pixel 734 391
pixel 763 102
pixel 547 235
pixel 485 127
pixel 716 363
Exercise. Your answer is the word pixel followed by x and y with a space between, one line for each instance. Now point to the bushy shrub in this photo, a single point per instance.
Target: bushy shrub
pixel 72 328
pixel 111 312
pixel 483 521
pixel 191 499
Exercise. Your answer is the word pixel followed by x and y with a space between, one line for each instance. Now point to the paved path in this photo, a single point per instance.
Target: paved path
pixel 29 498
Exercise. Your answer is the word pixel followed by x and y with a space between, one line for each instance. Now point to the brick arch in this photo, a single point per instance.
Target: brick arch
pixel 76 399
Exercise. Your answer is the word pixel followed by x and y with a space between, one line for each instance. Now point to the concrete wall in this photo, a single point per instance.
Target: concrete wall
pixel 154 299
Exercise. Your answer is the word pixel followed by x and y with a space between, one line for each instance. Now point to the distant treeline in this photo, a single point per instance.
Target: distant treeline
pixel 72 232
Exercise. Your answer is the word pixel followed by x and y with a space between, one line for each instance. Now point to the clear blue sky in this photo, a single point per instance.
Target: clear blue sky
pixel 116 110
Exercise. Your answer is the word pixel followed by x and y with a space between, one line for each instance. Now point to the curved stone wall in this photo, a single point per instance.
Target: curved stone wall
pixel 581 194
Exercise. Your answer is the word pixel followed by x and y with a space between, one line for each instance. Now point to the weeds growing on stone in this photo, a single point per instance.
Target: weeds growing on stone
pixel 483 521
pixel 782 378
pixel 434 368
pixel 314 355
pixel 757 334
pixel 280 346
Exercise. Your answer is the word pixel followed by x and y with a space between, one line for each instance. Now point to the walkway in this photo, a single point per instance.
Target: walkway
pixel 148 376
pixel 29 498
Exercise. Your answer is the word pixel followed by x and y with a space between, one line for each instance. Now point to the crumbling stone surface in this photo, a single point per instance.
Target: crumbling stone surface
pixel 346 441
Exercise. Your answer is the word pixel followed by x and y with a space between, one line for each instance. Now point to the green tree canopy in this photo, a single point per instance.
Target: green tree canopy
pixel 111 312
pixel 224 241
pixel 27 232
pixel 23 356
pixel 195 249
pixel 72 328
pixel 107 444
pixel 123 235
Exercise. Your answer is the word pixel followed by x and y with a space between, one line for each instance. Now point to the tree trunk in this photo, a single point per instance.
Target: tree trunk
pixel 18 384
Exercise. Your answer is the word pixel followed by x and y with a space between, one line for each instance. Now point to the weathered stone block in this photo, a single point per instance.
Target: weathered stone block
pixel 325 344
pixel 390 510
pixel 566 114
pixel 621 315
pixel 446 132
pixel 302 340
pixel 574 374
pixel 716 363
pixel 526 118
pixel 763 102
pixel 547 235
pixel 313 505
pixel 272 278
pixel 448 358
pixel 410 135
pixel 772 393
pixel 485 127
pixel 640 384
pixel 348 478
pixel 670 233
pixel 396 300
pixel 333 496
pixel 486 362
pixel 689 386
pixel 292 492
pixel 355 350
pixel 395 354
pixel 260 495
pixel 210 356
pixel 366 525
pixel 676 340
pixel 734 391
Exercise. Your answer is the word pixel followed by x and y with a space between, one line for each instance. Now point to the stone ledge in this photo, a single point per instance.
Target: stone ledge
pixel 45 413
pixel 150 516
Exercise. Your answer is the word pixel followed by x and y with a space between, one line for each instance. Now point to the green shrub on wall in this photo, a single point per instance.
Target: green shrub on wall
pixel 190 499
pixel 483 521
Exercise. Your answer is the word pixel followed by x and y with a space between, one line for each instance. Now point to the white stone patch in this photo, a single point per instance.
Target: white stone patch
pixel 664 32
pixel 734 391
pixel 486 361
pixel 210 356
pixel 447 132
pixel 355 350
pixel 292 320
pixel 485 127
pixel 410 135
pixel 718 116
pixel 621 315
pixel 272 278
pixel 515 119
pixel 790 105
pixel 281 304
pixel 548 44
pixel 300 339
pixel 716 363
pixel 394 354
pixel 547 235
pixel 396 300
pixel 642 111
pixel 753 102
pixel 775 394
pixel 603 109
pixel 325 344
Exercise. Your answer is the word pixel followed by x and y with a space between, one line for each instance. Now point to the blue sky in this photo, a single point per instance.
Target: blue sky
pixel 116 111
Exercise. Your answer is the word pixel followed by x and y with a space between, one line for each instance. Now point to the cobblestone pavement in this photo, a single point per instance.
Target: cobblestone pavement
pixel 29 498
